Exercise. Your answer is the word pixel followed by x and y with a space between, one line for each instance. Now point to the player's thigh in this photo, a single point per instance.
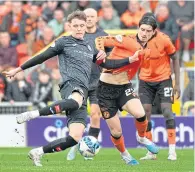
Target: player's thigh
pixel 130 102
pixel 107 100
pixel 114 125
pixel 94 107
pixel 92 95
pixel 147 92
pixel 95 110
pixel 165 91
pixel 134 107
pixel 69 90
pixel 148 110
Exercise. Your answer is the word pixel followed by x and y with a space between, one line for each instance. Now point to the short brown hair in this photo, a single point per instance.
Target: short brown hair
pixel 78 15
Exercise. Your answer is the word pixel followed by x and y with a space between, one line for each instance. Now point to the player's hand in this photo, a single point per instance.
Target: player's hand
pixel 101 55
pixel 135 57
pixel 10 74
pixel 177 91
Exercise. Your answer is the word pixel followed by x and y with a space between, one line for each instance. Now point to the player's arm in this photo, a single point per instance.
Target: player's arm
pixel 176 69
pixel 171 51
pixel 52 51
pixel 109 41
pixel 113 64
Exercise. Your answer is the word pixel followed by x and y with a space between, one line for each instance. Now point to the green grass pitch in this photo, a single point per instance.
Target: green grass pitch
pixel 107 160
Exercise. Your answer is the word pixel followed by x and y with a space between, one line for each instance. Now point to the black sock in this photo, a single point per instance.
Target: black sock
pixel 149 128
pixel 142 119
pixel 59 145
pixel 59 106
pixel 170 124
pixel 94 132
pixel 116 138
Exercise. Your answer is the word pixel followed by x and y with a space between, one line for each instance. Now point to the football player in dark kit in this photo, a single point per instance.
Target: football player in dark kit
pixel 92 32
pixel 75 62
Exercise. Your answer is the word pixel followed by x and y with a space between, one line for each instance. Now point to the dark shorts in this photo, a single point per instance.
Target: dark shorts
pixel 112 98
pixel 80 115
pixel 163 89
pixel 92 95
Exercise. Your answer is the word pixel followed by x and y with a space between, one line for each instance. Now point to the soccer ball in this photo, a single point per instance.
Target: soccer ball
pixel 88 146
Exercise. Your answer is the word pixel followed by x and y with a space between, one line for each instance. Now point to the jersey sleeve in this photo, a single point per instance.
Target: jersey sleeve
pixel 109 41
pixel 58 45
pixel 54 49
pixel 169 47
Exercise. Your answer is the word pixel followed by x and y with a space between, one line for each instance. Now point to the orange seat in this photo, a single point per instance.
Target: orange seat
pixel 23 59
pixel 22 50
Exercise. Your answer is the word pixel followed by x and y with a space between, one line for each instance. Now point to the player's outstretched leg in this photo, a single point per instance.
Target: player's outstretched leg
pixel 55 146
pixel 94 131
pixel 55 108
pixel 119 144
pixel 149 155
pixel 72 153
pixel 27 116
pixel 141 126
pixel 148 144
pixel 35 155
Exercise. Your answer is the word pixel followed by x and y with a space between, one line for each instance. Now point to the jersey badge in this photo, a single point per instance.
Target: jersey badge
pixel 53 44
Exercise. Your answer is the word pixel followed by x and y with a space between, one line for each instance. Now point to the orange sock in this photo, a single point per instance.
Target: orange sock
pixel 119 143
pixel 141 127
pixel 149 135
pixel 171 136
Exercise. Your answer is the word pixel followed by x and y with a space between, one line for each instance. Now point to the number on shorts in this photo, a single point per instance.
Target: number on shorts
pixel 168 91
pixel 129 91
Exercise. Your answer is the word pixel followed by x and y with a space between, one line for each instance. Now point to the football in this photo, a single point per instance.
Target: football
pixel 88 146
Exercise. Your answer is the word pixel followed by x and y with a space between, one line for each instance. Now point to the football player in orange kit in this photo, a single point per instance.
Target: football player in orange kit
pixel 155 79
pixel 116 93
pixel 154 74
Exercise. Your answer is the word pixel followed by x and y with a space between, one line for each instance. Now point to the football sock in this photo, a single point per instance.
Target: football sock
pixel 148 131
pixel 59 145
pixel 94 132
pixel 170 125
pixel 119 143
pixel 141 125
pixel 59 106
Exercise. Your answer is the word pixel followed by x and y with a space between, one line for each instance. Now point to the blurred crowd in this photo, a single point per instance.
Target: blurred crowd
pixel 27 27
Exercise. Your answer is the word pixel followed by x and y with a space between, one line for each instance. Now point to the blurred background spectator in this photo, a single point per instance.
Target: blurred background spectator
pixel 19 90
pixel 42 93
pixel 188 94
pixel 48 9
pixel 11 22
pixel 130 18
pixel 57 23
pixel 3 86
pixel 110 18
pixel 8 54
pixel 166 22
pixel 183 12
pixel 56 78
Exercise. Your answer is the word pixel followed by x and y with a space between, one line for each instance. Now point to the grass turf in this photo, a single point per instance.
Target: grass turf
pixel 108 160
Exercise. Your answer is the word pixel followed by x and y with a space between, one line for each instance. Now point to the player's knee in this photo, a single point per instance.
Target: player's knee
pixel 170 124
pixel 147 111
pixel 167 113
pixel 116 132
pixel 139 114
pixel 76 136
pixel 95 115
pixel 78 98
